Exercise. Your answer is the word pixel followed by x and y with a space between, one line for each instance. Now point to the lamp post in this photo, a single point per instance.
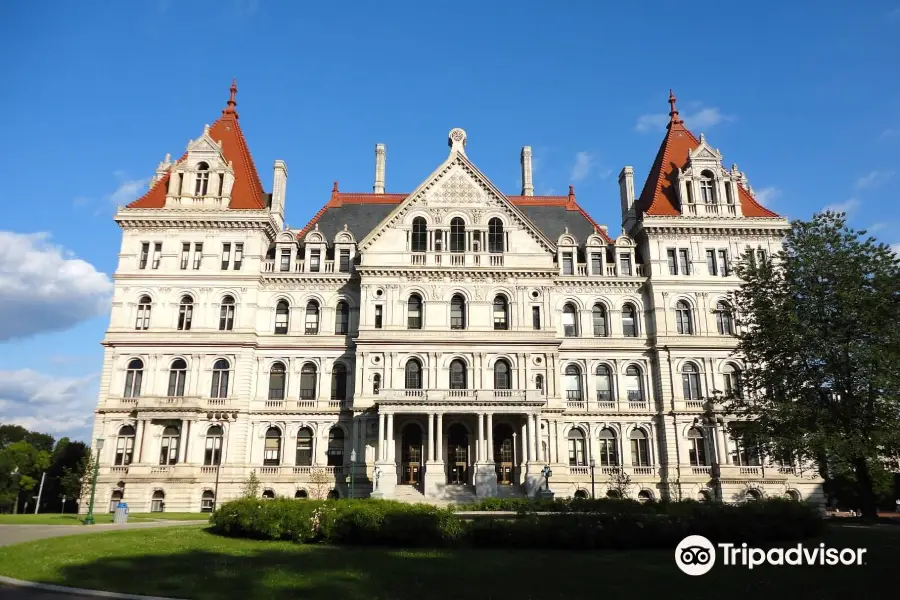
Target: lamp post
pixel 546 472
pixel 593 464
pixel 352 471
pixel 89 519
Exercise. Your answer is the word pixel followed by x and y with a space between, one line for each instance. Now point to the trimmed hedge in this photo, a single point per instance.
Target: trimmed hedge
pixel 574 525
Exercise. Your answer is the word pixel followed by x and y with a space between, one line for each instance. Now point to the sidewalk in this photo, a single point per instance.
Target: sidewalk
pixel 16 534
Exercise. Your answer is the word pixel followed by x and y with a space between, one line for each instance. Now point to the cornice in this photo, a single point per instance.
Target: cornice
pixel 456 273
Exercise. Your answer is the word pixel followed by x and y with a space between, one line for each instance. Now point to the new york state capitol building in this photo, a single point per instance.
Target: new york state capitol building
pixel 450 342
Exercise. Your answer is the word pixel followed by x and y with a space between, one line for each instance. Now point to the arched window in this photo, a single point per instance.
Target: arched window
pixel 212 454
pixel 457 312
pixel 226 314
pixel 177 376
pixel 339 381
pixel 539 383
pixel 201 185
pixel 629 321
pixel 134 375
pixel 690 381
pixel 311 325
pixel 413 372
pixel 580 495
pixel 219 379
pixel 724 318
pixel 576 447
pixel 334 495
pixel 142 322
pixel 168 447
pixel 376 384
pixel 458 375
pixel 414 312
pixel 704 496
pixel 752 495
pixel 502 378
pixel 501 313
pixel 335 447
pixel 282 314
pixel 304 447
pixel 640 450
pixel 457 235
pixel 419 235
pixel 277 381
pixel 268 495
pixel 570 321
pixel 495 235
pixel 301 495
pixel 707 193
pixel 158 502
pixel 342 318
pixel 683 322
pixel 272 447
pixel 604 384
pixel 308 379
pixel 185 313
pixel 609 449
pixel 696 447
pixel 573 383
pixel 732 377
pixel 634 384
pixel 644 496
pixel 207 501
pixel 598 316
pixel 613 494
pixel 124 446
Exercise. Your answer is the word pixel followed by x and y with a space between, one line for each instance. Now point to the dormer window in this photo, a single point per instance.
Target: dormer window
pixel 201 186
pixel 707 194
pixel 495 235
pixel 419 235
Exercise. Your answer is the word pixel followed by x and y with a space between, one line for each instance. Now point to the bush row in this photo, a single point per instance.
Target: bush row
pixel 382 522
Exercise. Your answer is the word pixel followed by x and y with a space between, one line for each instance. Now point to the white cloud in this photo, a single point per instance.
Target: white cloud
pixel 843 207
pixel 896 248
pixel 128 191
pixel 702 118
pixel 876 227
pixel 43 288
pixel 874 179
pixel 653 122
pixel 890 132
pixel 584 162
pixel 55 405
pixel 766 195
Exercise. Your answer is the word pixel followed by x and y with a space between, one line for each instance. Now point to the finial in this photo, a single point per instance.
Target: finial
pixel 673 112
pixel 229 110
pixel 168 158
pixel 571 191
pixel 206 129
pixel 457 140
pixel 317 226
pixel 702 137
pixel 567 230
pixel 335 187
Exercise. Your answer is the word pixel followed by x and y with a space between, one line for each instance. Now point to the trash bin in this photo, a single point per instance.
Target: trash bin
pixel 121 514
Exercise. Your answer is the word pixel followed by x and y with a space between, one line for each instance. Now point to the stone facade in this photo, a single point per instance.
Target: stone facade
pixel 454 341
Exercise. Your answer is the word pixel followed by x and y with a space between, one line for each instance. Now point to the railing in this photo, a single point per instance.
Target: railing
pixel 575 405
pixel 274 403
pixel 635 405
pixel 749 470
pixel 118 470
pixel 268 470
pixel 699 470
pixel 217 401
pixel 418 259
pixel 460 395
pixel 496 260
pixel 168 401
pixel 579 471
pixel 694 404
pixel 642 471
pixel 160 470
pixel 606 405
pixel 272 265
pixel 610 270
pixel 306 403
pixel 208 470
pixel 340 404
pixel 610 470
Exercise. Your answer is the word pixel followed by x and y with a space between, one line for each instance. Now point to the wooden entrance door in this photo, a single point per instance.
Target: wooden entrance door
pixel 458 455
pixel 504 454
pixel 411 455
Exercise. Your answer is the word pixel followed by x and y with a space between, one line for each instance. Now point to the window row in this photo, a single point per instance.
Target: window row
pixel 309 378
pixel 684 318
pixel 134 378
pixel 185 313
pixel 232 255
pixel 608 448
pixel 457 239
pixel 169 446
pixel 600 321
pixel 273 447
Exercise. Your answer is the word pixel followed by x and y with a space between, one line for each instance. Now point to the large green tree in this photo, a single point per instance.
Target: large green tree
pixel 822 346
pixel 21 464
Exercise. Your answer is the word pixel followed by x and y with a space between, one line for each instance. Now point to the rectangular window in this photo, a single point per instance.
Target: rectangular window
pixel 711 262
pixel 761 256
pixel 723 263
pixel 314 261
pixel 145 252
pixel 344 265
pixel 625 264
pixel 185 255
pixel 238 256
pixel 536 317
pixel 567 264
pixel 198 255
pixel 226 256
pixel 157 254
pixel 285 260
pixel 596 264
pixel 378 316
pixel 684 261
pixel 673 263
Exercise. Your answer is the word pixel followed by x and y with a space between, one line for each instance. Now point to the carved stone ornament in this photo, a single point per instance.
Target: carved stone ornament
pixel 459 189
pixel 476 216
pixel 438 214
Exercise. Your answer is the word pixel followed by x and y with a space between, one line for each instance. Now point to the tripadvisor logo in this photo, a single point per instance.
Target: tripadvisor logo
pixel 696 555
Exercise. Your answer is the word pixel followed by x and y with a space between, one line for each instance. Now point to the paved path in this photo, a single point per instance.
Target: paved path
pixel 15 593
pixel 15 534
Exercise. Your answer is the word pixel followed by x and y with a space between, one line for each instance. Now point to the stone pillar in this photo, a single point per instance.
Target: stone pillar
pixel 391 451
pixel 137 453
pixel 435 475
pixel 431 444
pixel 527 434
pixel 382 446
pixel 490 438
pixel 479 447
pixel 440 437
pixel 725 444
pixel 537 437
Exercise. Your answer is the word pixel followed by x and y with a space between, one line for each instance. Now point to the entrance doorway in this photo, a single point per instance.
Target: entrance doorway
pixel 504 454
pixel 458 454
pixel 411 455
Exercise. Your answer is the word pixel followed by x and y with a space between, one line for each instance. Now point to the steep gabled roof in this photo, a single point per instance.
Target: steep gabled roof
pixel 659 198
pixel 247 192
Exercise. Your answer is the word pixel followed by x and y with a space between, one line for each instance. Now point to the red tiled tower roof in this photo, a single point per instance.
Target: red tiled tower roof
pixel 247 192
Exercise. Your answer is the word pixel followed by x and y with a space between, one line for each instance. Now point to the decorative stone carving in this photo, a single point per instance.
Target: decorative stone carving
pixel 438 214
pixel 476 216
pixel 459 189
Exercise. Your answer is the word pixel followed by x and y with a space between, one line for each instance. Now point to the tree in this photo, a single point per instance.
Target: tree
pixel 620 482
pixel 22 465
pixel 820 332
pixel 74 483
pixel 320 484
pixel 251 486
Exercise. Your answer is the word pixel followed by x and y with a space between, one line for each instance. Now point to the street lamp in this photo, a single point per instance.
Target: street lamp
pixel 593 464
pixel 89 519
pixel 352 471
pixel 546 472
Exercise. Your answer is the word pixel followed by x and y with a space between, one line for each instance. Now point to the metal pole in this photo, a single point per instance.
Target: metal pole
pixel 37 504
pixel 89 519
pixel 592 483
pixel 216 489
pixel 64 505
pixel 352 477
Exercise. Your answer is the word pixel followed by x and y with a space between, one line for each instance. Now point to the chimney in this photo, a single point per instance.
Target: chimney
pixel 527 184
pixel 279 185
pixel 626 189
pixel 380 157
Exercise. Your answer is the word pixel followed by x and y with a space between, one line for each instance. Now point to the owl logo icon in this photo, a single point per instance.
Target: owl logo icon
pixel 695 555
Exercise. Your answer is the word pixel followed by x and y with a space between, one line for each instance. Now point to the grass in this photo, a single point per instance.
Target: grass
pixel 69 519
pixel 194 563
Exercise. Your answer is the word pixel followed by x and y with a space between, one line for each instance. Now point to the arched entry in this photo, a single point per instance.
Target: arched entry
pixel 504 454
pixel 411 454
pixel 458 454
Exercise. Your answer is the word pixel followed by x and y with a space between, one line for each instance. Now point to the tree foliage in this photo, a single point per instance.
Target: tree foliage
pixel 821 338
pixel 251 486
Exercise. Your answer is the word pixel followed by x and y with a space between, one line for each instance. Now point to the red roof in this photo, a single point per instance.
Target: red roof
pixel 247 192
pixel 659 197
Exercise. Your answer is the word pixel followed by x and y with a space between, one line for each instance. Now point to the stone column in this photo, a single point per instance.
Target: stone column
pixel 527 434
pixel 440 437
pixel 479 452
pixel 382 446
pixel 431 444
pixel 726 450
pixel 391 451
pixel 137 453
pixel 490 438
pixel 537 437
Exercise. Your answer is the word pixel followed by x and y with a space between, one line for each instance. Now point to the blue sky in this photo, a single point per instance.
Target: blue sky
pixel 804 96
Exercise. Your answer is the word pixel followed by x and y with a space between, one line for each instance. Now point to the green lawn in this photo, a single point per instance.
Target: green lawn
pixel 68 519
pixel 193 563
